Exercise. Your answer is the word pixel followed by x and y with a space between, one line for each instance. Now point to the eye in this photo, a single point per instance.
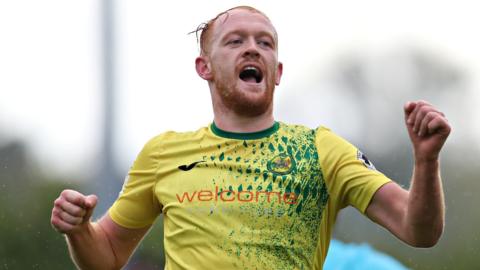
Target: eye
pixel 265 43
pixel 235 41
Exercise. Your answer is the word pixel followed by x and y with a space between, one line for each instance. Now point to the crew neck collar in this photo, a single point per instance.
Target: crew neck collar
pixel 245 135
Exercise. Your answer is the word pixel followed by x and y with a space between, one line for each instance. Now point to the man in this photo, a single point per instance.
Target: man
pixel 248 192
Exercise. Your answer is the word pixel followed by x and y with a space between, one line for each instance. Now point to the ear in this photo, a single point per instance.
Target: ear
pixel 202 65
pixel 279 73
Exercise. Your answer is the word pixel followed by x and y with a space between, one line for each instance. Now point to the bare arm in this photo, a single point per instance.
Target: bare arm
pixel 93 245
pixel 417 216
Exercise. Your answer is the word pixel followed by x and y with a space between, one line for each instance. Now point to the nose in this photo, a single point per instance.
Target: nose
pixel 251 50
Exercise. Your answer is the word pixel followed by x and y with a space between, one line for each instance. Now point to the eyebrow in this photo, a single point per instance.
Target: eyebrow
pixel 262 33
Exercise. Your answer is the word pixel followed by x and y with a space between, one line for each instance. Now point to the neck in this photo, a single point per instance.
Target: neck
pixel 229 121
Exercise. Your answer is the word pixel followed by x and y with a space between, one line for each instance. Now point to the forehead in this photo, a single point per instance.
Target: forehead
pixel 242 20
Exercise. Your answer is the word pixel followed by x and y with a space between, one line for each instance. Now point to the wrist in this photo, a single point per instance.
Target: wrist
pixel 422 158
pixel 82 231
pixel 427 162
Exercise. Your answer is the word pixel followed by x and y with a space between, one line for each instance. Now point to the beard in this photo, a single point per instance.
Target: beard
pixel 241 102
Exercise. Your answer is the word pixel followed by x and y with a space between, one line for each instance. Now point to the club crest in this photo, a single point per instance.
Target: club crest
pixel 281 164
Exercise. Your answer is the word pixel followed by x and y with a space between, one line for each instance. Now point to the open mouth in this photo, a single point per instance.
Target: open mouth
pixel 251 74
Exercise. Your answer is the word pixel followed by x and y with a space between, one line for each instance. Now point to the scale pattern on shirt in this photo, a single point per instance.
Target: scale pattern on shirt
pixel 280 194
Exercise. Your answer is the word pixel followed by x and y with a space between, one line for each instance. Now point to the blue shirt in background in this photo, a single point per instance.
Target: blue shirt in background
pixel 343 256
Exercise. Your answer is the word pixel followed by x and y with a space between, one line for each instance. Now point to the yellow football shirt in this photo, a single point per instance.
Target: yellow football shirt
pixel 263 200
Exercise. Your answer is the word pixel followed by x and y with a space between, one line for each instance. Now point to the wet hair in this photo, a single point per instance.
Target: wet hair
pixel 205 29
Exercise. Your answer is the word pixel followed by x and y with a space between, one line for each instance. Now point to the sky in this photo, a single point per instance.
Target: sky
pixel 51 64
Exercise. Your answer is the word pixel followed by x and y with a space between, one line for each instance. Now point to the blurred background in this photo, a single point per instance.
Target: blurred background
pixel 84 84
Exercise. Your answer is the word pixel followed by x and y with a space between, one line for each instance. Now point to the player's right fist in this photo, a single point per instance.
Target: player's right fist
pixel 71 211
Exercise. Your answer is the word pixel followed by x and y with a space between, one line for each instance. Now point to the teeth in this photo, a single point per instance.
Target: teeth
pixel 251 74
pixel 250 68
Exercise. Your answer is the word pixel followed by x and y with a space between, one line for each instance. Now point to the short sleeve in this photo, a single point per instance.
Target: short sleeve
pixel 351 178
pixel 137 206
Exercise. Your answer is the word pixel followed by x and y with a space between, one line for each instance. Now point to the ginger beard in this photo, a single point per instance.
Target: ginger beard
pixel 245 99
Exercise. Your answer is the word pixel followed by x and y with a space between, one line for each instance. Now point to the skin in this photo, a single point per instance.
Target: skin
pixel 88 241
pixel 243 38
pixel 246 38
pixel 417 216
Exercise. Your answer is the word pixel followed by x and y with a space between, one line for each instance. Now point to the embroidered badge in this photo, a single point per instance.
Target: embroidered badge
pixel 281 164
pixel 361 156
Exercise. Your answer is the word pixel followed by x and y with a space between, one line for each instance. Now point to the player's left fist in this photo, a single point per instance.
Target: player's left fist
pixel 428 127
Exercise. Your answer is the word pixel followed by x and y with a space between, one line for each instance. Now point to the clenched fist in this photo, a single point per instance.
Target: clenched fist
pixel 428 129
pixel 72 210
